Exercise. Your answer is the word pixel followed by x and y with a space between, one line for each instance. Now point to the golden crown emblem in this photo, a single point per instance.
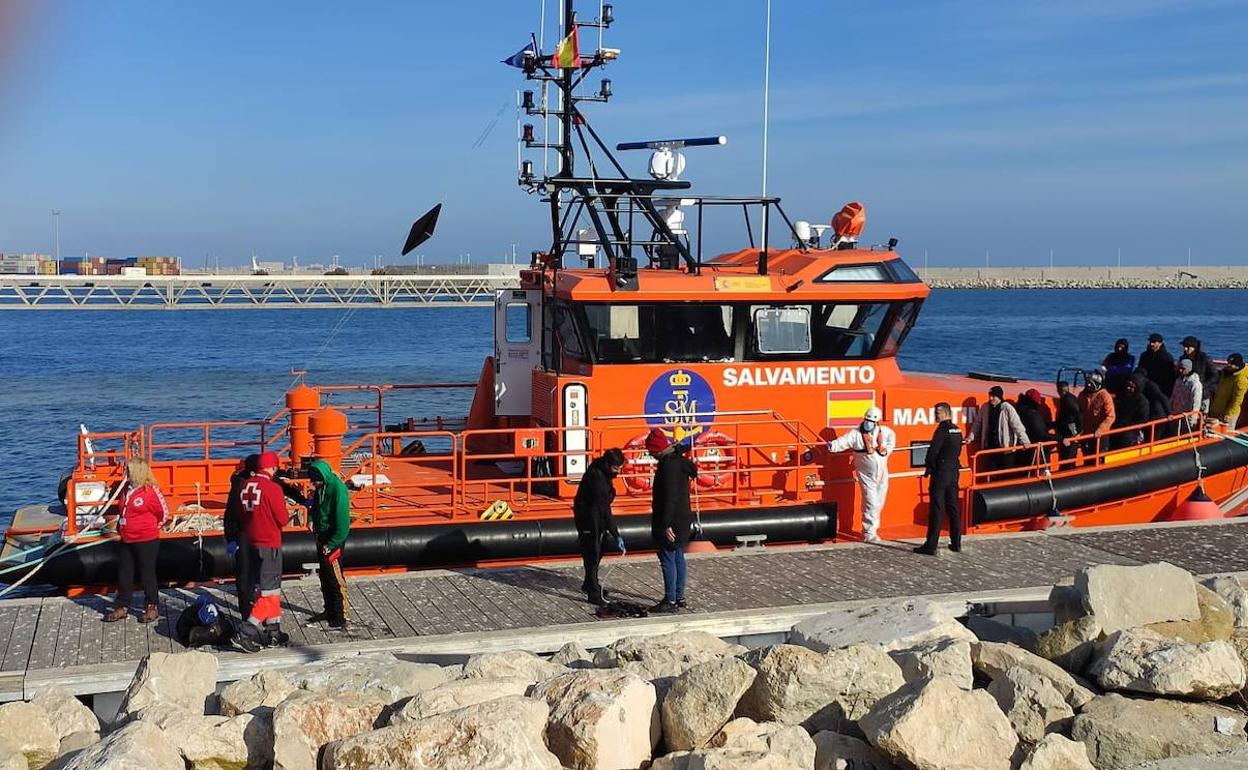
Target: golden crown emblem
pixel 679 379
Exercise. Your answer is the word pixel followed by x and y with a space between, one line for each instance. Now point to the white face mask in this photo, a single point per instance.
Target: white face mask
pixel 867 426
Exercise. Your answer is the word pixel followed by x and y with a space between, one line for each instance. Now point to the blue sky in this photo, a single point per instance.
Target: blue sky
pixel 317 128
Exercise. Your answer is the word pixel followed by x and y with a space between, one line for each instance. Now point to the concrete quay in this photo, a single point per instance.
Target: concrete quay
pixel 1158 277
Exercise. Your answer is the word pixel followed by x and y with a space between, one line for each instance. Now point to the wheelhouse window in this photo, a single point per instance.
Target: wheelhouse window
pixel 782 329
pixel 842 330
pixel 899 328
pixel 676 332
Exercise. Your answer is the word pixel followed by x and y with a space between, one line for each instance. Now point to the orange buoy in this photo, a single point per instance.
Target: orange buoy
pixel 1196 508
pixel 301 401
pixel 328 427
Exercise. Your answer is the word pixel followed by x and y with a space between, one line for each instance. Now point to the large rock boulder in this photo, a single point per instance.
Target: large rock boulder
pixel 1233 592
pixel 573 655
pixel 892 626
pixel 842 752
pixel 1031 703
pixel 500 733
pixel 10 757
pixel 664 655
pixel 67 714
pixel 1070 644
pixel 743 733
pixel 186 680
pixel 702 700
pixel 991 660
pixel 600 719
pixel 950 658
pixel 1066 601
pixel 139 745
pixel 724 759
pixel 1056 752
pixel 307 721
pixel 28 729
pixel 215 742
pixel 1216 621
pixel 932 724
pixel 1123 732
pixel 1128 597
pixel 258 695
pixel 512 664
pixel 383 676
pixel 1143 661
pixel 456 695
pixel 820 691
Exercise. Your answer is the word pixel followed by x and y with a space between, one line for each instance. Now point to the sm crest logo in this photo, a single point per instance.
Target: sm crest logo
pixel 682 403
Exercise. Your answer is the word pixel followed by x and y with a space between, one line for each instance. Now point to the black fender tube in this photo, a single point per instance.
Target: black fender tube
pixel 1105 484
pixel 184 559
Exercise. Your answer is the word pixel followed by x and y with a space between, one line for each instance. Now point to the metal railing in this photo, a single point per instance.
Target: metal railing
pixel 1011 465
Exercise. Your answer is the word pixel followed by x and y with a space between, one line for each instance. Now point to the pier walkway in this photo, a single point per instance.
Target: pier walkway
pixel 226 292
pixel 58 640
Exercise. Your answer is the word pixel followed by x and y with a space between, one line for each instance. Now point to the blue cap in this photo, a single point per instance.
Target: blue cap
pixel 207 610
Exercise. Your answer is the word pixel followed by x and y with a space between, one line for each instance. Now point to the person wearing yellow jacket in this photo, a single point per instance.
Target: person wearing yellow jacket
pixel 1228 399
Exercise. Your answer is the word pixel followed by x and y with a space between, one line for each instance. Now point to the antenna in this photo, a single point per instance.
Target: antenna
pixel 766 105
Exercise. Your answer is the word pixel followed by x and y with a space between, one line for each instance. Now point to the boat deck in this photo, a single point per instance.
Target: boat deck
pixel 59 640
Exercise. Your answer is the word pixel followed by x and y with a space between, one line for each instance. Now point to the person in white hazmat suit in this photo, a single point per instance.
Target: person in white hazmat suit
pixel 871 443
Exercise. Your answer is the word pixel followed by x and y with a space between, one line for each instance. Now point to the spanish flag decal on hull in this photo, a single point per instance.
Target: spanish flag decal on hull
pixel 846 407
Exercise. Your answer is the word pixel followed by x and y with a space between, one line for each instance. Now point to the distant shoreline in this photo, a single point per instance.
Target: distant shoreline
pixel 1163 277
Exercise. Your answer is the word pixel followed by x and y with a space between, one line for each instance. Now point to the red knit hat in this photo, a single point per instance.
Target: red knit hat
pixel 1035 396
pixel 268 460
pixel 657 441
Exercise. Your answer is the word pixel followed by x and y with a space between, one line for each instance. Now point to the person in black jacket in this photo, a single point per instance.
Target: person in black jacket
pixel 671 520
pixel 1158 402
pixel 1130 408
pixel 1203 367
pixel 942 465
pixel 1069 423
pixel 234 527
pixel 1118 366
pixel 1157 363
pixel 594 522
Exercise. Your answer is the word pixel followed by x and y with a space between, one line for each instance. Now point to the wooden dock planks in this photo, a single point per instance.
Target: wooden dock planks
pixel 39 637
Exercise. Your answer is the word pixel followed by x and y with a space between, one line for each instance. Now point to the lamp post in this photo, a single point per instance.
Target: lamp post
pixel 56 227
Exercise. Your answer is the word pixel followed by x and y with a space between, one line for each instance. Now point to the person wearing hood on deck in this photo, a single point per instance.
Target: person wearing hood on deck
pixel 594 523
pixel 1229 398
pixel 1096 406
pixel 1157 363
pixel 1118 366
pixel 671 518
pixel 234 528
pixel 1158 402
pixel 1032 414
pixel 1069 423
pixel 871 443
pixel 329 511
pixel 1204 368
pixel 998 426
pixel 1186 396
pixel 1130 408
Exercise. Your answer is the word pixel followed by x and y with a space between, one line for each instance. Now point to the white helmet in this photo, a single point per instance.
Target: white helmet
pixel 874 414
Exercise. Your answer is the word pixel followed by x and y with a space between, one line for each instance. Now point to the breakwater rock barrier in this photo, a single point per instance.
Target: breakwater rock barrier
pixel 1162 277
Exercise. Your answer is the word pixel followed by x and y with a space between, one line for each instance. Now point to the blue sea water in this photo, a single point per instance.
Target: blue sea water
pixel 114 370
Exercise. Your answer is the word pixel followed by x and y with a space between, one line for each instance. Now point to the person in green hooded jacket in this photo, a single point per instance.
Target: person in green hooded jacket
pixel 329 510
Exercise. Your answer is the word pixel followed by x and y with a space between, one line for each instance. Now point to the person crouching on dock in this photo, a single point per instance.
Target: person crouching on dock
pixel 594 522
pixel 871 443
pixel 143 512
pixel 671 520
pixel 264 508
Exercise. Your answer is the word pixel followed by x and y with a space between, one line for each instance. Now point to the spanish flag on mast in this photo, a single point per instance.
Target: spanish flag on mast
pixel 567 53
